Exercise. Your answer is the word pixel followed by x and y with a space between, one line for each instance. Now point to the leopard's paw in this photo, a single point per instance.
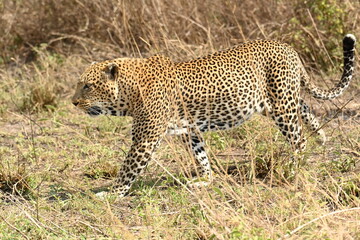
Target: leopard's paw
pixel 199 182
pixel 102 195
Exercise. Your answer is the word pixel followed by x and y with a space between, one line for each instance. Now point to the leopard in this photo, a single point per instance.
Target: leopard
pixel 214 92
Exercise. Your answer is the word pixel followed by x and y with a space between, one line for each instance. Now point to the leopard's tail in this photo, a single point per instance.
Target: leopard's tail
pixel 349 59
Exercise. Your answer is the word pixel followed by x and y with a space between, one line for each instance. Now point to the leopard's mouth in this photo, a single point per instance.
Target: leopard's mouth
pixel 94 111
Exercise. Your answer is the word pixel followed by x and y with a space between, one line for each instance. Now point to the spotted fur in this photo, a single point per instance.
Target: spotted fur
pixel 216 92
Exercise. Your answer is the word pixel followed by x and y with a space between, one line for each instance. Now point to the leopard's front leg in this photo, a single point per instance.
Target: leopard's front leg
pixel 147 134
pixel 137 159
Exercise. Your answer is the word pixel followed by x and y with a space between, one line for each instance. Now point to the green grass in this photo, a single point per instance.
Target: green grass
pixel 52 160
pixel 53 157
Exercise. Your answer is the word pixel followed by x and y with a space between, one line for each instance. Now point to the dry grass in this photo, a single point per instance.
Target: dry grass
pixel 51 156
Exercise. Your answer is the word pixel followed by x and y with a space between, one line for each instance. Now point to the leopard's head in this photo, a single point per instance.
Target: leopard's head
pixel 116 87
pixel 97 91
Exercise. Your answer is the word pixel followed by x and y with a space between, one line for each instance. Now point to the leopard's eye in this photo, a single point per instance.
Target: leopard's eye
pixel 86 86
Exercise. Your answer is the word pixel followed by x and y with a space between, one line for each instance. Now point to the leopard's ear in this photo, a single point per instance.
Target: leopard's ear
pixel 111 70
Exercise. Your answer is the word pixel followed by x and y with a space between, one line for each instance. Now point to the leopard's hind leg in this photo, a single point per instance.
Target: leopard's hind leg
pixel 196 143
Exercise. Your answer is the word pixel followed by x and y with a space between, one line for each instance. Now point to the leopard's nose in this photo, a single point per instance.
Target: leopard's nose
pixel 75 103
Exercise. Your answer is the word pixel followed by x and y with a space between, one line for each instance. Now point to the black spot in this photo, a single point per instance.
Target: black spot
pixel 291 128
pixel 220 124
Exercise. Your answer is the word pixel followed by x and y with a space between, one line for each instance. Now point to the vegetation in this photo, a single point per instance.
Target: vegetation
pixel 52 156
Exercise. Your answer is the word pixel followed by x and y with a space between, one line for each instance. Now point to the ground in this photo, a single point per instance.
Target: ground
pixel 53 156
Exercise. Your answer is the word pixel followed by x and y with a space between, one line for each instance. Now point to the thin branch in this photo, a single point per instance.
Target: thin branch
pixel 13 227
pixel 318 218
